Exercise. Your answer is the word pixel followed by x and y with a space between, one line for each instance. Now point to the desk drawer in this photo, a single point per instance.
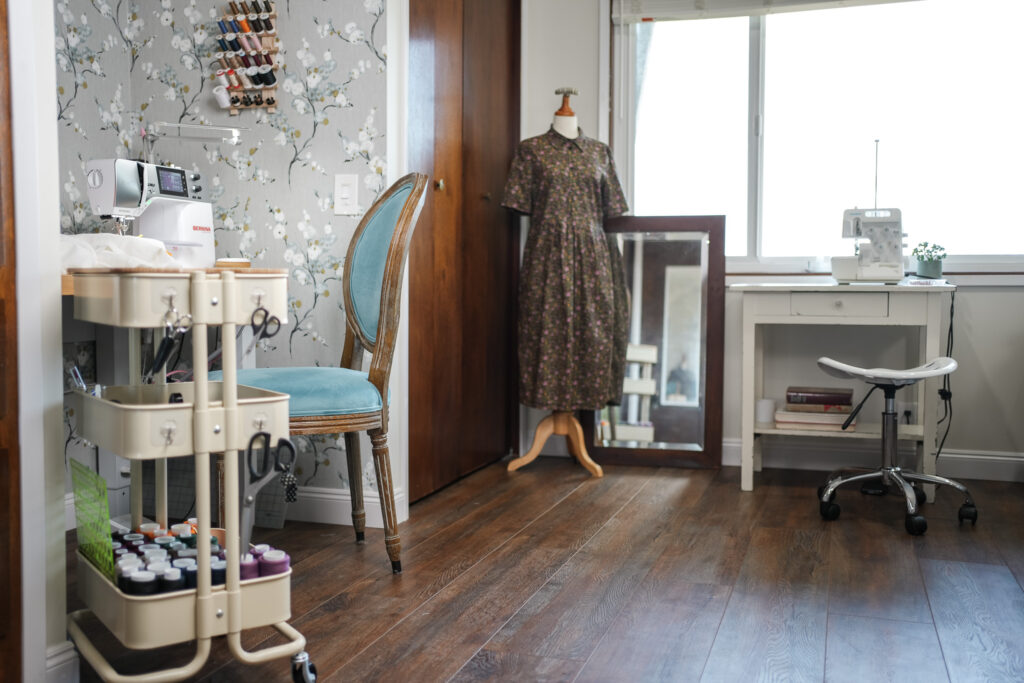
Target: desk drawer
pixel 846 304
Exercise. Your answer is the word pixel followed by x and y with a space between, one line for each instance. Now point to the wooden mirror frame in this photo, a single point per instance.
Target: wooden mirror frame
pixel 711 454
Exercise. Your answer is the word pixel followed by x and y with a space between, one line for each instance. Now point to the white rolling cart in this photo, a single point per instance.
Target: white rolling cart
pixel 139 423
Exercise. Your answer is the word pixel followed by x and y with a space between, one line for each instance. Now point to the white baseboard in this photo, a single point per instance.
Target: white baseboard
pixel 62 663
pixel 828 454
pixel 334 506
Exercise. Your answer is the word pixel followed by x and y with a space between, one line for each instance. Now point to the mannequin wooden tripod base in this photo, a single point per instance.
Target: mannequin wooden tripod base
pixel 561 423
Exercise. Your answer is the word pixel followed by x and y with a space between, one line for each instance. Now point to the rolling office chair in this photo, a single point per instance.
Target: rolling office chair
pixel 890 472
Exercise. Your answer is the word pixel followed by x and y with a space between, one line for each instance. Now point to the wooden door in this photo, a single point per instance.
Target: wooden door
pixel 463 113
pixel 10 473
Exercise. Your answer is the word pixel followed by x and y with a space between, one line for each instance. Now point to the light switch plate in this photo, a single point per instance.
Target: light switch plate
pixel 346 194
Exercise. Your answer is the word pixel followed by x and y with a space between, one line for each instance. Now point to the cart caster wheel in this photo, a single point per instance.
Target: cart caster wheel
pixel 916 525
pixel 396 566
pixel 829 511
pixel 968 511
pixel 920 496
pixel 821 490
pixel 303 670
pixel 360 537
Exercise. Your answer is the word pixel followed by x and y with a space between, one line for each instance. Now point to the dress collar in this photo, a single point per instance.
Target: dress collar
pixel 556 138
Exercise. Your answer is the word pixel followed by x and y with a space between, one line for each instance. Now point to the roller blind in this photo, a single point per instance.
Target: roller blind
pixel 633 11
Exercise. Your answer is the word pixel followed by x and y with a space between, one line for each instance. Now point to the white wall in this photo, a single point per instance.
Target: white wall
pixel 987 438
pixel 37 226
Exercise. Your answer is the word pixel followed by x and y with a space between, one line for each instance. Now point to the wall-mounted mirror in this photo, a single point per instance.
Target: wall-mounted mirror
pixel 671 408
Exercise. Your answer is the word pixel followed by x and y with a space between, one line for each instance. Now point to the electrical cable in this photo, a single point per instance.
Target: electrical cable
pixel 946 392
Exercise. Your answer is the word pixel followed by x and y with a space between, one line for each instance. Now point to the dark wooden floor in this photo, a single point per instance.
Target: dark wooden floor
pixel 649 575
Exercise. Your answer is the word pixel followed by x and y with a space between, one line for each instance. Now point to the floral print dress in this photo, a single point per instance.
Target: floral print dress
pixel 572 298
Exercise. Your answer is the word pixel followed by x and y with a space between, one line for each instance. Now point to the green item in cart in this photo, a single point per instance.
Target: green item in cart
pixel 92 515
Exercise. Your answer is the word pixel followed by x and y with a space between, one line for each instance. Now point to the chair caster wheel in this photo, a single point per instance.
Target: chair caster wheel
pixel 303 670
pixel 821 490
pixel 968 511
pixel 916 525
pixel 396 566
pixel 920 496
pixel 360 537
pixel 829 511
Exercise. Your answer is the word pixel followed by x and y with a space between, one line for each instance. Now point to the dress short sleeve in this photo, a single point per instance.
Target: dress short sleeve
pixel 613 201
pixel 519 186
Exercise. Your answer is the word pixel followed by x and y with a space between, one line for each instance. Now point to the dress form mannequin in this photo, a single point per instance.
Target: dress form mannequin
pixel 565 123
pixel 561 422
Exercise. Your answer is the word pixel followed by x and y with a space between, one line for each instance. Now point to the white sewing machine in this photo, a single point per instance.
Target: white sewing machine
pixel 880 257
pixel 158 199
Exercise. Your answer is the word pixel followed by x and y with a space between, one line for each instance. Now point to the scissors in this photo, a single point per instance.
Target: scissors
pixel 263 464
pixel 264 326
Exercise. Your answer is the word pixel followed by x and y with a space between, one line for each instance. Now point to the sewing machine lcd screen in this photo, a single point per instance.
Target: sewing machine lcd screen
pixel 171 181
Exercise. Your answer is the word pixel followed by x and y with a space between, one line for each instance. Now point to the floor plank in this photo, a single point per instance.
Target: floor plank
pixel 979 616
pixel 868 649
pixel 777 611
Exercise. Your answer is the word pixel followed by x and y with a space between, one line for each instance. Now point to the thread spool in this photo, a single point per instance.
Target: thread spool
pixel 190 576
pixel 274 562
pixel 148 546
pixel 146 529
pixel 218 570
pixel 268 7
pixel 245 7
pixel 232 39
pixel 268 26
pixel 223 44
pixel 233 80
pixel 183 563
pixel 243 42
pixel 171 580
pixel 234 8
pixel 165 540
pixel 265 54
pixel 254 75
pixel 246 83
pixel 185 528
pixel 223 27
pixel 124 576
pixel 220 93
pixel 176 546
pixel 249 567
pixel 129 561
pixel 235 28
pixel 254 22
pixel 190 552
pixel 155 555
pixel 267 75
pixel 142 582
pixel 243 24
pixel 123 552
pixel 246 60
pixel 158 568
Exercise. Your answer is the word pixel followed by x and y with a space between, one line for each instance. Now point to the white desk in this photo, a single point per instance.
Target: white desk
pixel 824 304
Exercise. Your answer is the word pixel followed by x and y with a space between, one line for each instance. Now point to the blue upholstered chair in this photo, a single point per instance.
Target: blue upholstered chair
pixel 327 400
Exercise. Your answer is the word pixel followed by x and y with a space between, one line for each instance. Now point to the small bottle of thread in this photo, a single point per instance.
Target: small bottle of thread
pixel 218 571
pixel 274 562
pixel 142 582
pixel 249 567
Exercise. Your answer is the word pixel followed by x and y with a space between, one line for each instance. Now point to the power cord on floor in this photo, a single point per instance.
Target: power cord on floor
pixel 946 392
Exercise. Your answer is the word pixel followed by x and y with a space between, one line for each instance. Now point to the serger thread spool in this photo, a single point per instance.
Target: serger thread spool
pixel 183 563
pixel 176 546
pixel 218 570
pixel 147 529
pixel 259 549
pixel 171 580
pixel 274 562
pixel 155 555
pixel 249 567
pixel 254 22
pixel 191 575
pixel 254 75
pixel 124 576
pixel 165 540
pixel 267 75
pixel 142 582
pixel 185 529
pixel 220 93
pixel 158 568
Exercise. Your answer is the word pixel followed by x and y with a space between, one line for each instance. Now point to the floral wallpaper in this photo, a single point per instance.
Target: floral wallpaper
pixel 123 64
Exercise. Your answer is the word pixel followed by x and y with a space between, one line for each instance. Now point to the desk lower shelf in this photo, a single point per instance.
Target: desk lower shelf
pixel 905 433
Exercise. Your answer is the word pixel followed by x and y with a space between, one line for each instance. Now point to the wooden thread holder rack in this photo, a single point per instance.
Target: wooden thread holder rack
pixel 245 66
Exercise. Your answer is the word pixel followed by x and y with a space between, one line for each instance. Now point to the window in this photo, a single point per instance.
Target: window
pixel 935 82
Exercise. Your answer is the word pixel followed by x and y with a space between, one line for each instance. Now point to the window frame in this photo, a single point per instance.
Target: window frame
pixel 623 118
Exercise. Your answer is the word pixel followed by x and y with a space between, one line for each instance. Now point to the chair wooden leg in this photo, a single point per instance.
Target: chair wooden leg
pixel 382 464
pixel 545 428
pixel 355 484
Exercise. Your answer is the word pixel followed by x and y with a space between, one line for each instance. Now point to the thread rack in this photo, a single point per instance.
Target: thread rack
pixel 245 66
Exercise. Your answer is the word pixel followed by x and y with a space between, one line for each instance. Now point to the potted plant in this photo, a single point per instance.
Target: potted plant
pixel 929 259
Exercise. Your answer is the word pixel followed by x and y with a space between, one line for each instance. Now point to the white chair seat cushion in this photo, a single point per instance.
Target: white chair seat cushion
pixel 315 391
pixel 933 368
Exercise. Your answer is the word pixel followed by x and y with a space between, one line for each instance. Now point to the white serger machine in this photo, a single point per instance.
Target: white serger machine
pixel 160 201
pixel 879 239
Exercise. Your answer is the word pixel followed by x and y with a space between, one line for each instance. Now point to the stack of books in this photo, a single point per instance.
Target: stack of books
pixel 816 408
